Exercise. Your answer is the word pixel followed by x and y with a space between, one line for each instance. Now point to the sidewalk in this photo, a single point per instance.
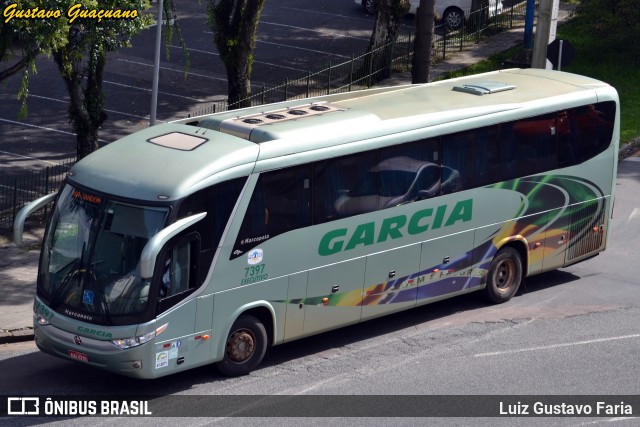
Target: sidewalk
pixel 18 266
pixel 18 270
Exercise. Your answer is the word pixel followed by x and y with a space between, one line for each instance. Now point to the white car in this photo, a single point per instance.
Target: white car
pixel 453 12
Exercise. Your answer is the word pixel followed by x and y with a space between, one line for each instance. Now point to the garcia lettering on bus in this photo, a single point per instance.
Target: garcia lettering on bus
pixel 394 228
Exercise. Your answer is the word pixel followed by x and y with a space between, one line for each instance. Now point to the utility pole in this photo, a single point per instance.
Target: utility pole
pixel 545 31
pixel 156 66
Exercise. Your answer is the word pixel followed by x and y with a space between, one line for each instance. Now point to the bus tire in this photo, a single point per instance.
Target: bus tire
pixel 504 276
pixel 245 347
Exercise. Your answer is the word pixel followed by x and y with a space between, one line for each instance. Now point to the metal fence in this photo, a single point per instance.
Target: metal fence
pixel 362 71
pixel 16 192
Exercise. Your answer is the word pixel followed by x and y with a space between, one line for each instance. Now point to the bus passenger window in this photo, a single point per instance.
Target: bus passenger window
pixel 470 159
pixel 345 186
pixel 591 128
pixel 529 146
pixel 281 202
pixel 408 172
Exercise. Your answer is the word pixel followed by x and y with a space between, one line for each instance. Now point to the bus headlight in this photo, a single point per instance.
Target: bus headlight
pixel 123 343
pixel 41 320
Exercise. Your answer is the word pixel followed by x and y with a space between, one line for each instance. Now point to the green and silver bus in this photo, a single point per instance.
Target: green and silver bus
pixel 210 239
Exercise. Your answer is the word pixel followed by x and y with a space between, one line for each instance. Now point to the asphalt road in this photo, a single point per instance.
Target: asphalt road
pixel 293 37
pixel 573 331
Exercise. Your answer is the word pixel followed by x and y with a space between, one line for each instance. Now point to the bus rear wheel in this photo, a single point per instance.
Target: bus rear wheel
pixel 245 347
pixel 505 275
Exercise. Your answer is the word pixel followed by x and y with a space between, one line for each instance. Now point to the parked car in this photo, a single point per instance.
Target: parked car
pixel 453 13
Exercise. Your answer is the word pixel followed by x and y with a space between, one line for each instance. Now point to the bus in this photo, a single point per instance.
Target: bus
pixel 210 239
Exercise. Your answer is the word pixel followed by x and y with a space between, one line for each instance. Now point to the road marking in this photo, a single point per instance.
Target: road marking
pixel 181 71
pixel 255 62
pixel 315 31
pixel 107 110
pixel 635 214
pixel 160 92
pixel 43 128
pixel 350 18
pixel 549 347
pixel 28 157
pixel 288 46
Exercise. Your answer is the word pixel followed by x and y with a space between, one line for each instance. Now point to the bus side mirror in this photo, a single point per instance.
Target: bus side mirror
pixel 153 247
pixel 18 223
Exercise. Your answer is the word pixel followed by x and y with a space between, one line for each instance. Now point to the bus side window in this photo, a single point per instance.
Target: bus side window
pixel 345 186
pixel 528 146
pixel 281 202
pixel 408 172
pixel 470 159
pixel 592 128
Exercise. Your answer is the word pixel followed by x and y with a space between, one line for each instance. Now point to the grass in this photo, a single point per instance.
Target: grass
pixel 609 62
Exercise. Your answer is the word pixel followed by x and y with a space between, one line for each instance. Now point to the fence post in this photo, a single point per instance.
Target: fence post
pixel 286 88
pixel 329 79
pixel 511 17
pixel 409 45
pixel 392 47
pixel 308 82
pixel 444 42
pixel 15 201
pixel 46 191
pixel 351 72
pixel 370 69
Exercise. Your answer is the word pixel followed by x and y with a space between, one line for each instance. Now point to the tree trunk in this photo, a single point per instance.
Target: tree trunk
pixel 389 15
pixel 234 23
pixel 421 65
pixel 86 109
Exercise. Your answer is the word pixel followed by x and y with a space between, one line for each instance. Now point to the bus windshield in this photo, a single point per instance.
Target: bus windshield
pixel 91 253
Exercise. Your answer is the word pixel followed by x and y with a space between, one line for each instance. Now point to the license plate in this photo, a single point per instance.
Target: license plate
pixel 78 356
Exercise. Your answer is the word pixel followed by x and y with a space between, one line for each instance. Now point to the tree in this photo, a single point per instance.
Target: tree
pixel 425 17
pixel 234 24
pixel 389 14
pixel 82 60
pixel 22 40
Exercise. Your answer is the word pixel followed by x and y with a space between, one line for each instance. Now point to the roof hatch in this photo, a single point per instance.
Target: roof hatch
pixel 178 141
pixel 484 88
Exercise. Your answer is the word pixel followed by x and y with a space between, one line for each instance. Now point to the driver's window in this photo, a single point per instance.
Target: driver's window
pixel 177 273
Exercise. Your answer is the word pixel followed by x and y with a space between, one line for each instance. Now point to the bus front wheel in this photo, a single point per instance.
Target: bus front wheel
pixel 245 347
pixel 505 275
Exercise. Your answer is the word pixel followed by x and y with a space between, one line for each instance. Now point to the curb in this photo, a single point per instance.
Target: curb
pixel 16 335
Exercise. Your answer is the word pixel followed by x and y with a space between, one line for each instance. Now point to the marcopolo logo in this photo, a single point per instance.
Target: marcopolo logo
pixel 395 227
